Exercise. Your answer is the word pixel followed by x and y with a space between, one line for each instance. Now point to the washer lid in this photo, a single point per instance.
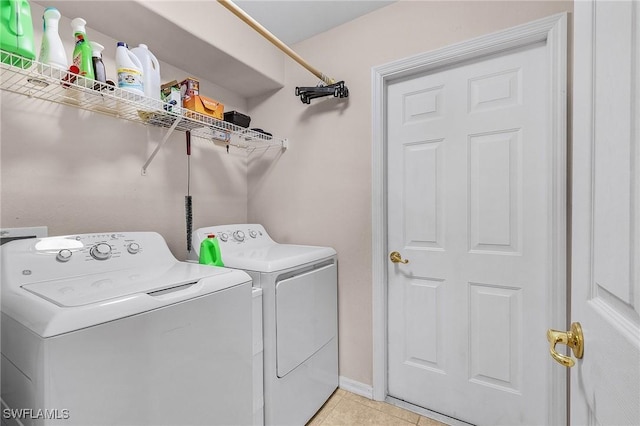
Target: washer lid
pixel 54 307
pixel 274 257
pixel 96 288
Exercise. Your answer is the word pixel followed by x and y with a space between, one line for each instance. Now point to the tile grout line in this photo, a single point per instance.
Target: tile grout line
pixel 339 399
pixel 384 412
pixel 332 408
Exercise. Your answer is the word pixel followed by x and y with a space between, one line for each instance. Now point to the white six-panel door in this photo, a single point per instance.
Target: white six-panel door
pixel 470 205
pixel 605 383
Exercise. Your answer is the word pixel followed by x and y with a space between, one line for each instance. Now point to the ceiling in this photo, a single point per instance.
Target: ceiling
pixel 290 21
pixel 294 21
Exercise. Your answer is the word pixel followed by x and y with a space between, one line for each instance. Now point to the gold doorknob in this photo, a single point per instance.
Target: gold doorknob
pixel 397 257
pixel 574 339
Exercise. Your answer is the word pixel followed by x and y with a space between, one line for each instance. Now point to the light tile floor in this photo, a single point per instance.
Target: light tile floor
pixel 346 408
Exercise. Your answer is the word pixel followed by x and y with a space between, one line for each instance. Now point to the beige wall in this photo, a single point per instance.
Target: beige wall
pixel 319 191
pixel 77 171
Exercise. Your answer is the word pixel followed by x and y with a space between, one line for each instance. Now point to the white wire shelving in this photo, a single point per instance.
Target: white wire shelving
pixel 45 82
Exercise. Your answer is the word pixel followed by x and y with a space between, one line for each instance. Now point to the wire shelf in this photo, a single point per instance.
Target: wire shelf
pixel 36 80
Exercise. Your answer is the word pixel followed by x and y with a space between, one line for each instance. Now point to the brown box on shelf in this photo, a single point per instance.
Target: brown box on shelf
pixel 166 88
pixel 189 87
pixel 204 105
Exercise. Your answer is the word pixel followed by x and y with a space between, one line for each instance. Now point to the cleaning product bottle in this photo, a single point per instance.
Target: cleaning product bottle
pixel 16 33
pixel 52 50
pixel 99 70
pixel 82 50
pixel 129 70
pixel 150 71
pixel 210 251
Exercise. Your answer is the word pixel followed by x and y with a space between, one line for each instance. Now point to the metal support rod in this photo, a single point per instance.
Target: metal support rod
pixel 273 39
pixel 160 145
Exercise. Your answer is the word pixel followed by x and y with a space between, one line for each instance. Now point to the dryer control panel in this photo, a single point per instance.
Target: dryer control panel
pixel 241 235
pixel 232 237
pixel 250 248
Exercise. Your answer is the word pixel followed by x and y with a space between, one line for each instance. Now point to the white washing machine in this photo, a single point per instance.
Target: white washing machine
pixel 300 313
pixel 111 329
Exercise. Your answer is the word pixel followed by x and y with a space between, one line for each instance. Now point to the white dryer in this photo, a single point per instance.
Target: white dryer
pixel 111 329
pixel 300 313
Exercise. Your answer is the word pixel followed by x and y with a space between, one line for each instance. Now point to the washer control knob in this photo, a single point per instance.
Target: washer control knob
pixel 101 251
pixel 253 233
pixel 133 248
pixel 64 255
pixel 223 237
pixel 239 236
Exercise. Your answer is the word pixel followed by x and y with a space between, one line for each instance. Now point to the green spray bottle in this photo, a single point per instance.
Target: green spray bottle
pixel 210 251
pixel 82 52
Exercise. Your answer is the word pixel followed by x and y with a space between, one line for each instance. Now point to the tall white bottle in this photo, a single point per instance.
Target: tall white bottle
pixel 52 50
pixel 150 71
pixel 129 68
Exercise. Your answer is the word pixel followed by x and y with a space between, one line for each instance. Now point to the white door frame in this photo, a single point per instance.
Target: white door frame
pixel 553 31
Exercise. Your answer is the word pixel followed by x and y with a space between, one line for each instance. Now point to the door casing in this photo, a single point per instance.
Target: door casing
pixel 553 31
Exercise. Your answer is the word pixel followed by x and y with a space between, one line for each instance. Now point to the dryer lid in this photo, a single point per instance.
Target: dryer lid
pixel 274 257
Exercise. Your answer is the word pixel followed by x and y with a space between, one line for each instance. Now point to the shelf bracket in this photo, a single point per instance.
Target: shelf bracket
pixel 160 145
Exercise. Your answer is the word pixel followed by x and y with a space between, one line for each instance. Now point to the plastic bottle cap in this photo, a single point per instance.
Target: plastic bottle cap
pixel 96 48
pixel 122 43
pixel 144 46
pixel 211 236
pixel 78 25
pixel 51 12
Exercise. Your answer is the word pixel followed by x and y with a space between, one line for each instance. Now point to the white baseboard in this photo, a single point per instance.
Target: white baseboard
pixel 356 387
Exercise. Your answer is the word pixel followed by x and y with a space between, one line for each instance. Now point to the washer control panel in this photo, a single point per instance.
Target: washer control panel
pixel 49 258
pixel 89 247
pixel 100 247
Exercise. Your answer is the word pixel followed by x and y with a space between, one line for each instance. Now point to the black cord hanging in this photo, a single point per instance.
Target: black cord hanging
pixel 188 203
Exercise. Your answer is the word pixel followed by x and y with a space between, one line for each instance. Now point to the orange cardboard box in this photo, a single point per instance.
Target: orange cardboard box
pixel 204 105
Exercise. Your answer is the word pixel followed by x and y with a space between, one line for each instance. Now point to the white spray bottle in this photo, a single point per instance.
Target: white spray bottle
pixel 99 71
pixel 52 50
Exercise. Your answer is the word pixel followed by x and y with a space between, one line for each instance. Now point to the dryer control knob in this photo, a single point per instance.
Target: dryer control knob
pixel 101 251
pixel 133 248
pixel 223 237
pixel 64 255
pixel 253 233
pixel 239 236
